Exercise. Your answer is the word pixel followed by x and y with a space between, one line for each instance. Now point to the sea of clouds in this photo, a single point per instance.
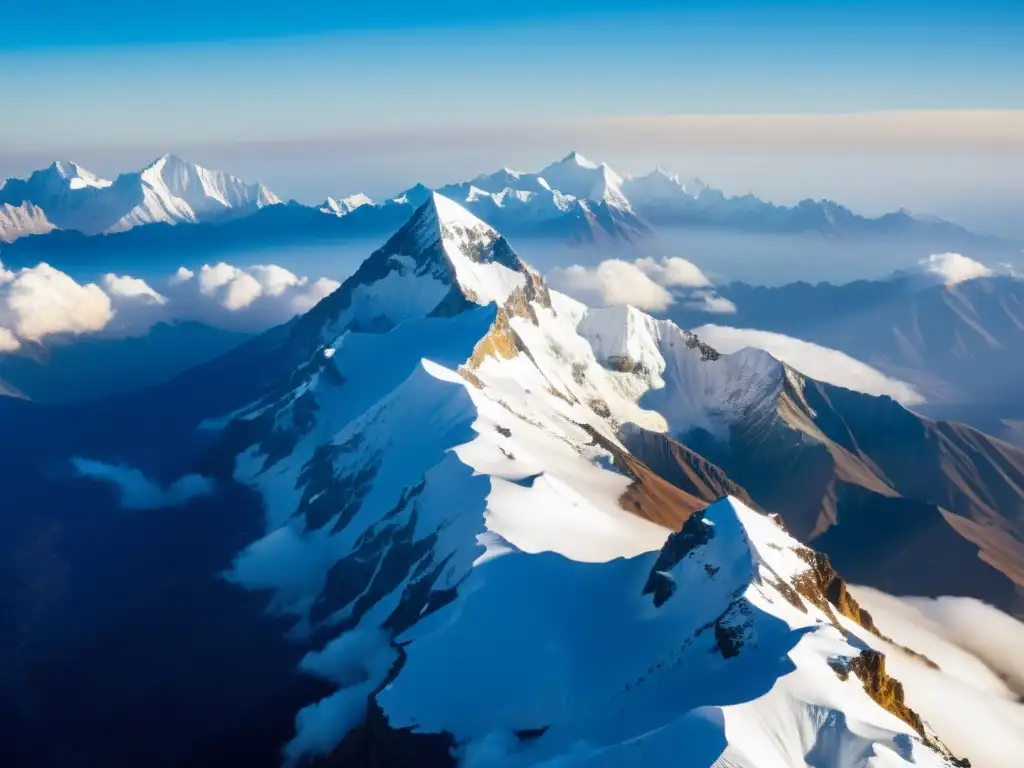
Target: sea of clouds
pixel 40 302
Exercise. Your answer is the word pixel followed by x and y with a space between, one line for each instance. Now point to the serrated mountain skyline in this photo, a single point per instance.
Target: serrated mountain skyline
pixel 572 200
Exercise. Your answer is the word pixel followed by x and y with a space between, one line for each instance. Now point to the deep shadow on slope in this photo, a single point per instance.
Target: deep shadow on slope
pixel 898 501
pixel 124 645
pixel 120 644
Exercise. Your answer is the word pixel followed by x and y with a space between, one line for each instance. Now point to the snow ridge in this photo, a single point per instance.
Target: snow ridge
pixel 20 220
pixel 169 190
pixel 445 527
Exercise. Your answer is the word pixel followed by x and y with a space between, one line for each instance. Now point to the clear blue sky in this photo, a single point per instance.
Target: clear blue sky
pixel 117 81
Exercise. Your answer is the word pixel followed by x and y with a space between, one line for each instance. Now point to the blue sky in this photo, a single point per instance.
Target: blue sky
pixel 273 86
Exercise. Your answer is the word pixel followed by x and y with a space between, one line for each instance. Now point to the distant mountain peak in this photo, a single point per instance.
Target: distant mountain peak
pixel 75 175
pixel 415 196
pixel 168 158
pixel 575 158
pixel 345 205
pixel 575 175
pixel 442 261
pixel 447 212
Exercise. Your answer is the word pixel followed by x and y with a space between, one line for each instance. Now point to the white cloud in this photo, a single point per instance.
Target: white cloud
pixel 643 283
pixel 42 301
pixel 8 341
pixel 712 304
pixel 673 271
pixel 611 282
pixel 275 280
pixel 232 297
pixel 229 286
pixel 310 296
pixel 976 647
pixel 182 274
pixel 821 363
pixel 131 288
pixel 988 633
pixel 955 268
pixel 140 492
pixel 358 661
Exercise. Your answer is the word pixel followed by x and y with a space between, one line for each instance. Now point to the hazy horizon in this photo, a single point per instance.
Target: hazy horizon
pixel 987 193
pixel 875 106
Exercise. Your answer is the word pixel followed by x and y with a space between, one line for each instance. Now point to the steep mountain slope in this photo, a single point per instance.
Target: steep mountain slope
pixel 443 534
pixel 664 200
pixel 76 370
pixel 168 190
pixel 863 478
pixel 444 483
pixel 344 205
pixel 20 220
pixel 876 487
pixel 660 192
pixel 961 345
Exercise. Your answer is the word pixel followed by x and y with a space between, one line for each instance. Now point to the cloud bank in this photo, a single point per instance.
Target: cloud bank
pixel 647 283
pixel 973 700
pixel 140 492
pixel 953 268
pixel 818 362
pixel 37 302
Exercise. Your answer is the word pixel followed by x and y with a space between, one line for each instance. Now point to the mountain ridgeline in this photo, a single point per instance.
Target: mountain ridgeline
pixel 571 201
pixel 453 517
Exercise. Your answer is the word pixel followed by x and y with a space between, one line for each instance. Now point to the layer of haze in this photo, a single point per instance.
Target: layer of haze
pixel 877 107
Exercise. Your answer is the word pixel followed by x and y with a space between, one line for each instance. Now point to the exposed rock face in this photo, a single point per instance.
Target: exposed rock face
pixel 692 535
pixel 650 495
pixel 887 692
pixel 881 490
pixel 376 744
pixel 679 465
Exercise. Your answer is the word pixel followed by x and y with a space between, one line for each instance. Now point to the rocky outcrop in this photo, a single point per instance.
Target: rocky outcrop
pixel 881 490
pixel 679 465
pixel 650 496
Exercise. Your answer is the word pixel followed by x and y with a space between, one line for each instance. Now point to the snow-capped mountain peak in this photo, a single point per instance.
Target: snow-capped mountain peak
pixel 51 185
pixel 168 190
pixel 415 196
pixel 441 261
pixel 575 158
pixel 659 187
pixel 585 180
pixel 20 220
pixel 195 191
pixel 450 476
pixel 345 205
pixel 77 177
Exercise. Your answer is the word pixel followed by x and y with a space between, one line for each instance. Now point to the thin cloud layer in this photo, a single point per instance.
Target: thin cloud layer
pixel 971 700
pixel 991 635
pixel 953 268
pixel 647 283
pixel 821 363
pixel 38 302
pixel 140 492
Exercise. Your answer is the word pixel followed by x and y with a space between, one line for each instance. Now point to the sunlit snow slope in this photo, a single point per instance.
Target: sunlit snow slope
pixel 168 190
pixel 456 530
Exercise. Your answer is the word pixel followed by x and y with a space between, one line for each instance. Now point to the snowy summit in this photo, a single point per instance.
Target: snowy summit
pixel 482 562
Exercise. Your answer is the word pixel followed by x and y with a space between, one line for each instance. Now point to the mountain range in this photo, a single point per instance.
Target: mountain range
pixel 960 344
pixel 573 201
pixel 450 516
pixel 169 190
